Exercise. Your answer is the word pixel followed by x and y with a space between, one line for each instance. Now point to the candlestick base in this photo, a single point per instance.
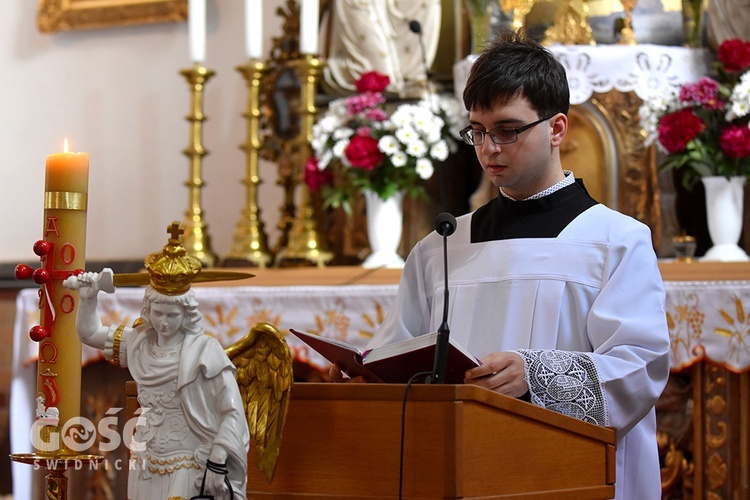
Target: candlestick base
pixel 305 246
pixel 56 483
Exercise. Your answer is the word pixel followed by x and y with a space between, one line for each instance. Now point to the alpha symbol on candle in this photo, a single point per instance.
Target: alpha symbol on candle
pixel 52 226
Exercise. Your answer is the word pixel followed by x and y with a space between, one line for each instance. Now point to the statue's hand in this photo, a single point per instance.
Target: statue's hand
pixel 87 284
pixel 215 484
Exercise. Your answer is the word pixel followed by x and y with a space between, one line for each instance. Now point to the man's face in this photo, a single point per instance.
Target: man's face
pixel 526 166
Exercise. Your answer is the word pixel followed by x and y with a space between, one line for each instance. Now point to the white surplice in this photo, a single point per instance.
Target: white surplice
pixel 585 309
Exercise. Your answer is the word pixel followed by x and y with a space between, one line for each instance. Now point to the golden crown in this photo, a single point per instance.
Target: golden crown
pixel 172 271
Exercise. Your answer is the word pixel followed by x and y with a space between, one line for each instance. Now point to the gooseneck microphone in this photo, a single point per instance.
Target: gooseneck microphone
pixel 445 225
pixel 416 28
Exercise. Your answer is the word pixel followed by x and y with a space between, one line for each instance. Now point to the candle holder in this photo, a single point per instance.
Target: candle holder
pixel 627 36
pixel 250 243
pixel 55 482
pixel 196 240
pixel 305 246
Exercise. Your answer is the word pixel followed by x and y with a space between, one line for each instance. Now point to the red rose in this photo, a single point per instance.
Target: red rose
pixel 677 129
pixel 314 177
pixel 363 152
pixel 372 82
pixel 734 55
pixel 735 141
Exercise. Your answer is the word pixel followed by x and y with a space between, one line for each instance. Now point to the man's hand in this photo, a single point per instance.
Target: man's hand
pixel 337 375
pixel 501 372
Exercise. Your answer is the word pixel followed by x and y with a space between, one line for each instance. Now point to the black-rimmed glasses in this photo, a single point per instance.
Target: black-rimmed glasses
pixel 499 135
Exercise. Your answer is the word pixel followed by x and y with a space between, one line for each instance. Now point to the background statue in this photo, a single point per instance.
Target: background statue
pixel 192 420
pixel 375 35
pixel 728 19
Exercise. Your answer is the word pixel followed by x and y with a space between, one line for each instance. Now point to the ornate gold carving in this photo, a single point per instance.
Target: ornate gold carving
pixel 716 405
pixel 637 189
pixel 717 471
pixel 716 440
pixel 66 15
pixel 571 25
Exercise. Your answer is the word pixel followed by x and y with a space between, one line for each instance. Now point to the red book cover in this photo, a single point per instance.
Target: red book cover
pixel 392 363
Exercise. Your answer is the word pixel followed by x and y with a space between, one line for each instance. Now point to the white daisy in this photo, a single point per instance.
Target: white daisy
pixel 424 168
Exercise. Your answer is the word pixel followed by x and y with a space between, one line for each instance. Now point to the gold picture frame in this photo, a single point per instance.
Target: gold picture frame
pixel 67 15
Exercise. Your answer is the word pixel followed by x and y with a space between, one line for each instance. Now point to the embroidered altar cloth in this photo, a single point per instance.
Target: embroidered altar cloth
pixel 648 70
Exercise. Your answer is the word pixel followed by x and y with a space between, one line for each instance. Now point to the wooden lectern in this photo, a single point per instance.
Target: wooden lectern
pixel 342 441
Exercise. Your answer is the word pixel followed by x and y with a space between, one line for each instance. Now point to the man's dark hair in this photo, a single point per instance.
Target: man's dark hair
pixel 512 65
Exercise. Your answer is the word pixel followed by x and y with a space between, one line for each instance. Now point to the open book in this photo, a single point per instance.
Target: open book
pixel 392 363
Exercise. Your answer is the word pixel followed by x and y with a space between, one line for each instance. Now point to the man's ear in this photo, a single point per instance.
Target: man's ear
pixel 559 126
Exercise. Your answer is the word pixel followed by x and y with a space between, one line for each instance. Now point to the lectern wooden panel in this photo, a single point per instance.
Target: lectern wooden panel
pixel 343 441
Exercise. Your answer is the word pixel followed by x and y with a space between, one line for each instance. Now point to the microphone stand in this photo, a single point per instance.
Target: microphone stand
pixel 441 343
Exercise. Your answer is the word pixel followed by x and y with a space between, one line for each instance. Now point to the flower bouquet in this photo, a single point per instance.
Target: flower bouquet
pixel 704 125
pixel 357 146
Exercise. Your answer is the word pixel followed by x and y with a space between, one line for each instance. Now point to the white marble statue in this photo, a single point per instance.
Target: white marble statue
pixel 728 19
pixel 375 35
pixel 187 386
pixel 192 416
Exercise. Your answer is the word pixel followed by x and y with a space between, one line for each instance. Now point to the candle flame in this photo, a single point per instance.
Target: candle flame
pixel 65 145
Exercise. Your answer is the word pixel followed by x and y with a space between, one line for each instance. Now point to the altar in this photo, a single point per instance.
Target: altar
pixel 703 415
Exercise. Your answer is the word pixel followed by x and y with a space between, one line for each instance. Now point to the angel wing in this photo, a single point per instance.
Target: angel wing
pixel 264 376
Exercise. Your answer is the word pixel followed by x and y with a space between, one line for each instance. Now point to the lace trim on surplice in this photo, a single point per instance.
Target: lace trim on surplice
pixel 565 382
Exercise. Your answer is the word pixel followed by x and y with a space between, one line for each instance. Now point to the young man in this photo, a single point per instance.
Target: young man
pixel 559 296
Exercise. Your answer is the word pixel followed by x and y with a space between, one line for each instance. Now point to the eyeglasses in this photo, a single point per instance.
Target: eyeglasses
pixel 499 135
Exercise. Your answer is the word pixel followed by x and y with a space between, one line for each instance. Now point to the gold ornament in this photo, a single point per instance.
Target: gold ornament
pixel 172 271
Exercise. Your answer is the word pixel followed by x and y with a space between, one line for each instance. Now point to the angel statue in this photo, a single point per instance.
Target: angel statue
pixel 192 435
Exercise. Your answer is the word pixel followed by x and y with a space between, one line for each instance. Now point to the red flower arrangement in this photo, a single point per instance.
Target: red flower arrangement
pixel 705 126
pixel 357 146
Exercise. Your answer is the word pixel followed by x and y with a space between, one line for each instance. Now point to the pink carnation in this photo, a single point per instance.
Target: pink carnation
pixel 376 115
pixel 735 141
pixel 361 102
pixel 677 129
pixel 704 92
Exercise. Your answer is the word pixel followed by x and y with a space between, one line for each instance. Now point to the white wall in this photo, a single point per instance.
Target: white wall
pixel 117 94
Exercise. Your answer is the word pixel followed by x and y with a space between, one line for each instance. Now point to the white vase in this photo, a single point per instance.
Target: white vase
pixel 384 226
pixel 724 209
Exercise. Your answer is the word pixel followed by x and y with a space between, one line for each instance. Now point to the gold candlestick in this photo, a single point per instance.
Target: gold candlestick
pixel 250 244
pixel 627 36
pixel 305 246
pixel 196 240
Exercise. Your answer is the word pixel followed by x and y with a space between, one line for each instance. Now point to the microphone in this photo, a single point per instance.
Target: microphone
pixel 445 225
pixel 416 27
